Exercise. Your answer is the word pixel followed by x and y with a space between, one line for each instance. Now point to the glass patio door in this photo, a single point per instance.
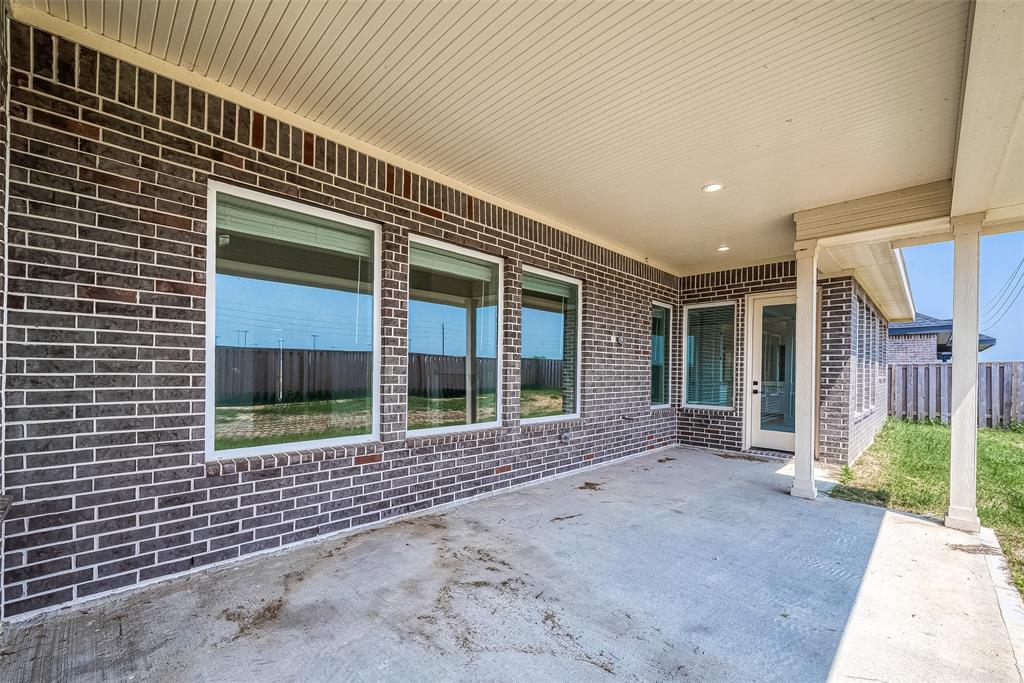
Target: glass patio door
pixel 772 382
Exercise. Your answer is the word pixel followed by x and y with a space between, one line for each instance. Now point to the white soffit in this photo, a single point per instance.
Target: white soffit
pixel 880 271
pixel 989 170
pixel 604 116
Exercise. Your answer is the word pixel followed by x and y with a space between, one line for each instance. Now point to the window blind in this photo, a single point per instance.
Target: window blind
pixel 268 222
pixel 710 349
pixel 429 258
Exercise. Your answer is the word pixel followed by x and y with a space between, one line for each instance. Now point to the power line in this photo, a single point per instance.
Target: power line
pixel 1007 286
pixel 1008 307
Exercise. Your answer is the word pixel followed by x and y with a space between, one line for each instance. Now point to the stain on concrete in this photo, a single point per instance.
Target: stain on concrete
pixel 591 486
pixel 665 459
pixel 495 591
pixel 975 549
pixel 562 519
pixel 249 621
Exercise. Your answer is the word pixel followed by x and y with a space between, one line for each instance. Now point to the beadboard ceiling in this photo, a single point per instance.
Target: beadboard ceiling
pixel 607 117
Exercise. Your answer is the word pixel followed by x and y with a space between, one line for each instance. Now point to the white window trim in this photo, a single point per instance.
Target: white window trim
pixel 579 349
pixel 213 188
pixel 686 353
pixel 668 354
pixel 499 387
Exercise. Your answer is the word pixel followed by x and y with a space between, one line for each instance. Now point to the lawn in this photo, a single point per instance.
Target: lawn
pixel 245 426
pixel 907 468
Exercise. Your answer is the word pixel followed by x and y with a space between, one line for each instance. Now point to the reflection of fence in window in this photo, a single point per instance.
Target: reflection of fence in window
pixel 246 376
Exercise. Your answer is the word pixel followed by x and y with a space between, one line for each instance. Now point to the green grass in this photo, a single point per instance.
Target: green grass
pixel 268 412
pixel 535 402
pixel 345 405
pixel 225 443
pixel 422 406
pixel 540 402
pixel 907 468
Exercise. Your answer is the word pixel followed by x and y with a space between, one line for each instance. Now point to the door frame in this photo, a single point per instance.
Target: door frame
pixel 783 296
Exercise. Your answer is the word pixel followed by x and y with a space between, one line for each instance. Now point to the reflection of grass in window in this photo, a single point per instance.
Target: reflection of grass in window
pixel 283 423
pixel 541 402
pixel 426 412
pixel 226 443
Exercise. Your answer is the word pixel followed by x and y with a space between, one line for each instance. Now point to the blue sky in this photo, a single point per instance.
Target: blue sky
pixel 930 268
pixel 263 314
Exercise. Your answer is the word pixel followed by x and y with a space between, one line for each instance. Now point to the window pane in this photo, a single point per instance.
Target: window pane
pixel 550 328
pixel 293 327
pixel 660 345
pixel 709 356
pixel 453 338
pixel 778 388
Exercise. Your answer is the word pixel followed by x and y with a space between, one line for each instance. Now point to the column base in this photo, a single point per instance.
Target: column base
pixel 804 490
pixel 963 519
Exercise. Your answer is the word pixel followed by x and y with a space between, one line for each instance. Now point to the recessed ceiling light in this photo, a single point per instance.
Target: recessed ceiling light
pixel 712 187
pixel 724 247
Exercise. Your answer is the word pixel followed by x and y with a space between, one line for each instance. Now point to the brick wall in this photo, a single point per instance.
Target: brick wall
pixel 104 413
pixel 105 367
pixel 870 389
pixel 4 82
pixel 913 348
pixel 853 381
pixel 842 434
pixel 712 427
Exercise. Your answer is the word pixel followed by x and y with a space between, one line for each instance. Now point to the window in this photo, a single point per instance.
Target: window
pixel 550 364
pixel 661 319
pixel 293 325
pixel 710 349
pixel 454 317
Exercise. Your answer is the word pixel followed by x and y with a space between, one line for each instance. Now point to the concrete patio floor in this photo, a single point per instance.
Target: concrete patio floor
pixel 677 565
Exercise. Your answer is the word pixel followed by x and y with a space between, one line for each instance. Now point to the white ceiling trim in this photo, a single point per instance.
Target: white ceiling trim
pixel 113 48
pixel 989 168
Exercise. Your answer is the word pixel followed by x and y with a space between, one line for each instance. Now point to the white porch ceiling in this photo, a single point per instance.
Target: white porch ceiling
pixel 606 116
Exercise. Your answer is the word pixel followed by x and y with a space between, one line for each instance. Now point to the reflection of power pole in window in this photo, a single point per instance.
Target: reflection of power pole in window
pixel 442 339
pixel 280 369
pixel 314 336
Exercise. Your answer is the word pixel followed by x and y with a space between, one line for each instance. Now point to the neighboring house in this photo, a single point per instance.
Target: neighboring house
pixel 231 324
pixel 926 340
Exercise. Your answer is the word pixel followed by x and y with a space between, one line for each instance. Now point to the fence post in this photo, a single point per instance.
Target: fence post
pixel 922 391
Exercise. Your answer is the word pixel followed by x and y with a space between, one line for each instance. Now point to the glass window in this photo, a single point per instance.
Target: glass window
pixel 661 319
pixel 293 326
pixel 710 349
pixel 550 364
pixel 778 386
pixel 453 338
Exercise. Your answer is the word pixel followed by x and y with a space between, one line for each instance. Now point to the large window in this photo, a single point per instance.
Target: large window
pixel 550 364
pixel 293 324
pixel 661 326
pixel 454 316
pixel 710 349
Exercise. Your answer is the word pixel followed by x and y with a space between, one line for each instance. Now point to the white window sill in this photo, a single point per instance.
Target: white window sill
pixel 714 409
pixel 451 429
pixel 289 447
pixel 546 419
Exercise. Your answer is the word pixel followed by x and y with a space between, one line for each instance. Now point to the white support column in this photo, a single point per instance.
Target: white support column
pixel 963 510
pixel 806 369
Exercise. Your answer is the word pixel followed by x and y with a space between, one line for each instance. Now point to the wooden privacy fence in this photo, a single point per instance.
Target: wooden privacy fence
pixel 246 376
pixel 922 391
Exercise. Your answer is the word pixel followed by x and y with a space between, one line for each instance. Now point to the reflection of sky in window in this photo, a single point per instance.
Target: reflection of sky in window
pixel 264 314
pixel 441 329
pixel 542 334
